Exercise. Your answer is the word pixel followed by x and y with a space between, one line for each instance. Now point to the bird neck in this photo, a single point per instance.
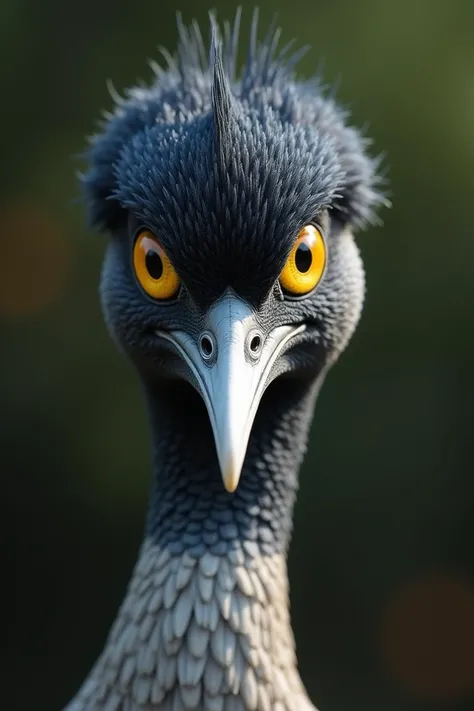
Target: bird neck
pixel 205 623
pixel 189 508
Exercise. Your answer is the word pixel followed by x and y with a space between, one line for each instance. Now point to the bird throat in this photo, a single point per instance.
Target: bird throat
pixel 205 623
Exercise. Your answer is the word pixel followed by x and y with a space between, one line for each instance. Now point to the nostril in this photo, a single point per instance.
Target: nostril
pixel 255 344
pixel 207 347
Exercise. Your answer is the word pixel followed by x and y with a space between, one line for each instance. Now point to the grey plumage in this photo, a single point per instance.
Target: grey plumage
pixel 225 171
pixel 205 653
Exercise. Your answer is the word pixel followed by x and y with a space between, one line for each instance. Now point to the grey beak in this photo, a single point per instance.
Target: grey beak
pixel 231 364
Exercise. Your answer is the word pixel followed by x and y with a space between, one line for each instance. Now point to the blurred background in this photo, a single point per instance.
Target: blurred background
pixel 382 563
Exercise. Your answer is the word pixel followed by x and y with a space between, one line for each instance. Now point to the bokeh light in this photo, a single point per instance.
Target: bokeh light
pixel 35 259
pixel 427 637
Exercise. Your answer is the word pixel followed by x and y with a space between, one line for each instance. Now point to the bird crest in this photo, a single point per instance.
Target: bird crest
pixel 222 102
pixel 225 162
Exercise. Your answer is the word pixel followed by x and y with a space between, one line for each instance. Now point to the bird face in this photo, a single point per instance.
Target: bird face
pixel 232 348
pixel 232 261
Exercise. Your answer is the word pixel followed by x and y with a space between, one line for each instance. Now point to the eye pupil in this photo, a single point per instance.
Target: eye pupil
pixel 154 264
pixel 303 258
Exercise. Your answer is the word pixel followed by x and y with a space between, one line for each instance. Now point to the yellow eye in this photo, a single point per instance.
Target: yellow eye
pixel 154 270
pixel 305 265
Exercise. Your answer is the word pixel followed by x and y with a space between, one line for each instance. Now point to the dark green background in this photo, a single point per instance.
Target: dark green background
pixel 387 499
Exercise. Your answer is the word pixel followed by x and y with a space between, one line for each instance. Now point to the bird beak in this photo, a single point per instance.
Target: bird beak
pixel 231 364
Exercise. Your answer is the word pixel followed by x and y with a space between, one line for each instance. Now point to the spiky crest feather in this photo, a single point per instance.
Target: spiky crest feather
pixel 194 87
pixel 222 103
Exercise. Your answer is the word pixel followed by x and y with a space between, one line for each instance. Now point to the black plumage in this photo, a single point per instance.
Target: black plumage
pixel 220 170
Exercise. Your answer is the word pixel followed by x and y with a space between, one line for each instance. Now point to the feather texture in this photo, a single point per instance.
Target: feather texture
pixel 220 164
pixel 192 656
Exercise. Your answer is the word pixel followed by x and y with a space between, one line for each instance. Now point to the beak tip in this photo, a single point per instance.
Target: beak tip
pixel 231 479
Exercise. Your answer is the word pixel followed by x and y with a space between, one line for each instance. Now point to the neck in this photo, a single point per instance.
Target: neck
pixel 205 623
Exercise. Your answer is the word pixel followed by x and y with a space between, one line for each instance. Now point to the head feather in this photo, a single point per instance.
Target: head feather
pixel 222 101
pixel 196 92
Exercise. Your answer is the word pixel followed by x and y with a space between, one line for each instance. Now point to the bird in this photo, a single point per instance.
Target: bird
pixel 232 282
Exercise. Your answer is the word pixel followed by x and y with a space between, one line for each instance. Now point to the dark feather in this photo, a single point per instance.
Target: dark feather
pixel 284 153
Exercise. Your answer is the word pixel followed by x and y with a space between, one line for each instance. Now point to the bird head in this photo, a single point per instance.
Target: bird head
pixel 231 204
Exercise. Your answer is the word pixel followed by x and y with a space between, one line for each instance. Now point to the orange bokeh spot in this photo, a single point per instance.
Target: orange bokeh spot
pixel 427 637
pixel 33 259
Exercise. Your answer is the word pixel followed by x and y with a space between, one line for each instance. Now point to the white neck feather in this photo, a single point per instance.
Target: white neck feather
pixel 208 634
